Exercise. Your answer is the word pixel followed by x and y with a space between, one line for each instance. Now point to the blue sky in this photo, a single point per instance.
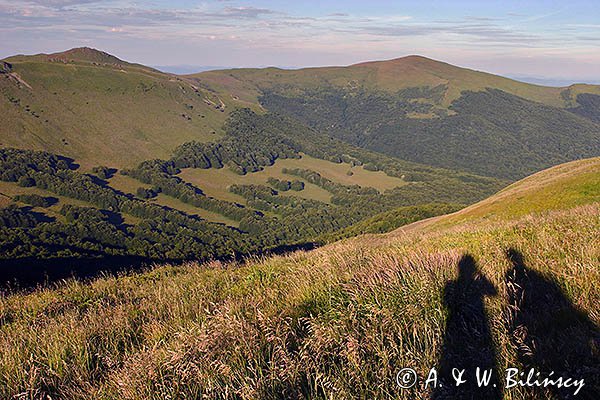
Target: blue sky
pixel 548 39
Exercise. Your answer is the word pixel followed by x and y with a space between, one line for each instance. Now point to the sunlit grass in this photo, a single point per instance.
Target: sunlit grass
pixel 337 322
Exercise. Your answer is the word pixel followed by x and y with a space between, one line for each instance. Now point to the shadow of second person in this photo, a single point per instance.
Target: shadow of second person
pixel 550 333
pixel 468 343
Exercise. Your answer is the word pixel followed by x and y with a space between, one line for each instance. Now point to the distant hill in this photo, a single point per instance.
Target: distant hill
pixel 431 112
pixel 390 76
pixel 96 108
pixel 93 106
pixel 556 82
pixel 80 54
pixel 187 69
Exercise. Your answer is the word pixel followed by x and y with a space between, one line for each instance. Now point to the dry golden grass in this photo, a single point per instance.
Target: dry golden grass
pixel 336 323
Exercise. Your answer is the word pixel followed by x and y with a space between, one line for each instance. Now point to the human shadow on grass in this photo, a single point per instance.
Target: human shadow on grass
pixel 468 343
pixel 550 333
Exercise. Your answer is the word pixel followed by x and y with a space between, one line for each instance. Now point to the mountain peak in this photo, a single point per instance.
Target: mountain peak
pixel 407 62
pixel 85 54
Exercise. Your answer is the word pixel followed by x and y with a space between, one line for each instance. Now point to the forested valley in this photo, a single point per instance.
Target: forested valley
pixel 267 221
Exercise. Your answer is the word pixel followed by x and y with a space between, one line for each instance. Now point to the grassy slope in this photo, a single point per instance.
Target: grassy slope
pixel 391 75
pixel 561 187
pixel 338 322
pixel 100 113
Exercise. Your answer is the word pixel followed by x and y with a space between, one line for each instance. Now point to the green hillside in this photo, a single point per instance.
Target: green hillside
pixel 339 322
pixel 93 107
pixel 431 112
pixel 389 76
pixel 267 184
pixel 562 187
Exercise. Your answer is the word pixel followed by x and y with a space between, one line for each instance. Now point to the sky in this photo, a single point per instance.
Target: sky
pixel 541 39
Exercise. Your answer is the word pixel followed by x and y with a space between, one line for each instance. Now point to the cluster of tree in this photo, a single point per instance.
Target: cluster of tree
pixel 329 185
pixel 95 230
pixel 297 219
pixel 91 232
pixel 343 107
pixel 16 217
pixel 104 172
pixel 16 163
pixel 243 150
pixel 161 174
pixel 284 186
pixel 146 193
pixel 588 106
pixel 26 181
pixel 36 200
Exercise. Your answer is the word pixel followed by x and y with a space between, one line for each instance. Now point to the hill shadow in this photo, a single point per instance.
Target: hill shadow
pixel 26 274
pixel 29 273
pixel 468 341
pixel 550 333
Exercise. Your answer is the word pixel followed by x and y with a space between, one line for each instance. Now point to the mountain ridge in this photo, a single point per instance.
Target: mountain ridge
pixel 93 55
pixel 75 54
pixel 418 70
pixel 411 108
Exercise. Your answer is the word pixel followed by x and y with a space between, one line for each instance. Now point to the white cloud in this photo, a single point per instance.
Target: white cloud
pixel 224 33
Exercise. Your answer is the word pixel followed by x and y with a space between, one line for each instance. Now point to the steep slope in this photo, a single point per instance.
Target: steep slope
pixel 339 322
pixel 96 108
pixel 431 112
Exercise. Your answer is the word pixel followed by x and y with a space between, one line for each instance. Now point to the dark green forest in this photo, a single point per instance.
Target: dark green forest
pixel 588 106
pixel 268 221
pixel 491 133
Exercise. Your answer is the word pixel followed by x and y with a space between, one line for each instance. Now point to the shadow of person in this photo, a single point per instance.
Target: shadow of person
pixel 550 333
pixel 468 341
